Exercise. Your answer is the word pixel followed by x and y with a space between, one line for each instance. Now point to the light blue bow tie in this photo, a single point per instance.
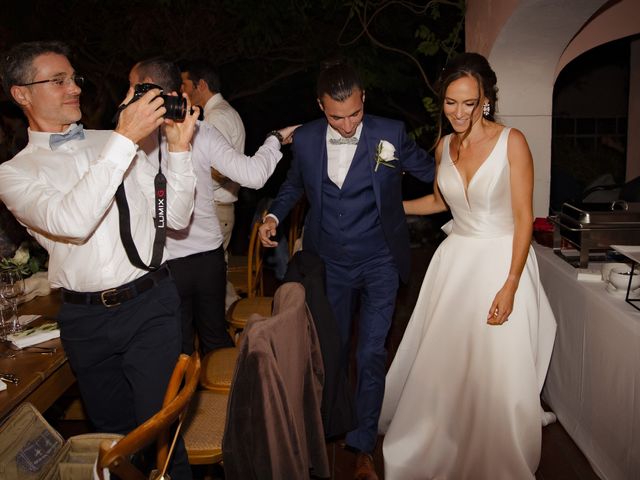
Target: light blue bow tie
pixel 57 139
pixel 344 141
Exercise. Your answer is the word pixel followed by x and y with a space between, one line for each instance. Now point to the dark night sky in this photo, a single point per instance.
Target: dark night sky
pixel 267 52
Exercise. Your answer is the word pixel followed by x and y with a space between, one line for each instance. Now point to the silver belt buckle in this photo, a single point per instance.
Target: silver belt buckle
pixel 104 298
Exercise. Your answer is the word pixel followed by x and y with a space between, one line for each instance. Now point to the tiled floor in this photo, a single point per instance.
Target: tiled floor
pixel 561 459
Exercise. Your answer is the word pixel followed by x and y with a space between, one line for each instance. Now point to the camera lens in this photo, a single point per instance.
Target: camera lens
pixel 176 107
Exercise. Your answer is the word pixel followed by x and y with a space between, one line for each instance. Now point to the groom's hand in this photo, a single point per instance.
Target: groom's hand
pixel 268 230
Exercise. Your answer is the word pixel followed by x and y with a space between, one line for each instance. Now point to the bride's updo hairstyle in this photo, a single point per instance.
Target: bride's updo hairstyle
pixel 468 65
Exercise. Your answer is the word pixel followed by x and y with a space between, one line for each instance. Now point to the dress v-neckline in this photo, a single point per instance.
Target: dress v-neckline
pixel 465 188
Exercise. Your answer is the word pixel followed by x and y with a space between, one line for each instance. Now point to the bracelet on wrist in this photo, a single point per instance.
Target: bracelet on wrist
pixel 276 134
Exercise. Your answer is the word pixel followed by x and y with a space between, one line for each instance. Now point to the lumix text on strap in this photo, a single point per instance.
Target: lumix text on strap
pixel 160 194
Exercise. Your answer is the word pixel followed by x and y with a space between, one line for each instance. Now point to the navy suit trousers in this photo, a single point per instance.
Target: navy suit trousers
pixel 375 282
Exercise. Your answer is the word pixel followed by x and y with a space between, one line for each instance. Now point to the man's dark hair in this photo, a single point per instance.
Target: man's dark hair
pixel 17 62
pixel 203 70
pixel 164 73
pixel 337 79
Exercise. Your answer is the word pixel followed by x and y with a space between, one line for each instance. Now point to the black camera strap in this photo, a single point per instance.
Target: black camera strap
pixel 160 186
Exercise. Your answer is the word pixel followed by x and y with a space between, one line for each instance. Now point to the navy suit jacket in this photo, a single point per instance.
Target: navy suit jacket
pixel 310 162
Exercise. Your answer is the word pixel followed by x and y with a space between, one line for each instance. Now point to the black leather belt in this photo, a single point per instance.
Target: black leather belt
pixel 115 296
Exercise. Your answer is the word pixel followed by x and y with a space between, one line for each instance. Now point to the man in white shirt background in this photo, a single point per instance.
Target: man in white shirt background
pixel 119 323
pixel 197 252
pixel 202 83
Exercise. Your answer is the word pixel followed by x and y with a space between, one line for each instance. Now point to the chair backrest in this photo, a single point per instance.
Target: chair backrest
pixel 255 287
pixel 296 221
pixel 182 385
pixel 276 396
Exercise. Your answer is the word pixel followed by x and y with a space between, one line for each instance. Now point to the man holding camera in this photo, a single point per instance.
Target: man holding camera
pixel 119 323
pixel 197 252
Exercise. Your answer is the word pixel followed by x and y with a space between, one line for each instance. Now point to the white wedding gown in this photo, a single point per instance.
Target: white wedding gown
pixel 462 397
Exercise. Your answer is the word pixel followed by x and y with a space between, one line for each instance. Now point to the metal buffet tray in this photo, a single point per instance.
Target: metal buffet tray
pixel 601 215
pixel 594 227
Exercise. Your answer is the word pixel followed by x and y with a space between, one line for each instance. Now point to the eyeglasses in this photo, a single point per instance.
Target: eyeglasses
pixel 59 82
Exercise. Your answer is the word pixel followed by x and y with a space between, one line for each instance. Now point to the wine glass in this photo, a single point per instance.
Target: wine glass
pixel 6 314
pixel 11 288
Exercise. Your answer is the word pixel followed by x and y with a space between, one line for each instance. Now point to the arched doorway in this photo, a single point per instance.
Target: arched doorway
pixel 589 126
pixel 527 43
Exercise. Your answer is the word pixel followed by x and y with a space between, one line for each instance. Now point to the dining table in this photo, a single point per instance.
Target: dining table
pixel 593 383
pixel 44 374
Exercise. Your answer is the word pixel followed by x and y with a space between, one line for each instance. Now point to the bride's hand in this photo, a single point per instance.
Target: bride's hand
pixel 502 305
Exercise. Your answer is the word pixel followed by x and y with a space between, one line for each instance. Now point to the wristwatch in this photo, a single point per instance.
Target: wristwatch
pixel 276 134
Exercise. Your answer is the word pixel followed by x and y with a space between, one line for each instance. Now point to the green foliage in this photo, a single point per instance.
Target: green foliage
pixel 413 55
pixel 29 258
pixel 430 44
pixel 430 105
pixel 259 47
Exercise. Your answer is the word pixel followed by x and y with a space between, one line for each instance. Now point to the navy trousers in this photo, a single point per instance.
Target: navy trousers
pixel 123 357
pixel 375 282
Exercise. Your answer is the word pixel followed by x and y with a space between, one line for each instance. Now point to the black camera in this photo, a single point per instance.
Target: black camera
pixel 176 106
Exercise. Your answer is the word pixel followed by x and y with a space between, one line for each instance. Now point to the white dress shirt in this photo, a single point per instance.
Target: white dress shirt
pixel 210 149
pixel 225 118
pixel 339 157
pixel 65 198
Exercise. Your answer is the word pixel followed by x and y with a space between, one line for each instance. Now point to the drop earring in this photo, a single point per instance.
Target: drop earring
pixel 486 109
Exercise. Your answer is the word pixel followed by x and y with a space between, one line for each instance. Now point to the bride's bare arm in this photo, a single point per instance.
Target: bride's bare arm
pixel 521 176
pixel 430 203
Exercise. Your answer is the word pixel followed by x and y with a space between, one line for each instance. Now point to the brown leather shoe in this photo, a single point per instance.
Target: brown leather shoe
pixel 365 470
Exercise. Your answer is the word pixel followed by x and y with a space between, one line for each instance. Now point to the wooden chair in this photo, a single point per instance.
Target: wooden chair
pixel 238 267
pixel 274 422
pixel 296 222
pixel 217 369
pixel 176 400
pixel 255 302
pixel 204 427
pixel 218 365
pixel 237 273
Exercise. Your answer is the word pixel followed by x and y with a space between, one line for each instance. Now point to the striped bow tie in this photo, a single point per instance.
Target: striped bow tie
pixel 57 139
pixel 344 141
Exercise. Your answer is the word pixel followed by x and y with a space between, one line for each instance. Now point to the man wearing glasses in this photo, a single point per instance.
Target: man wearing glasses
pixel 60 81
pixel 119 324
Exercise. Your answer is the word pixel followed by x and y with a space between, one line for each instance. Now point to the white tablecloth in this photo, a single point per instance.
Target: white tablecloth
pixel 593 384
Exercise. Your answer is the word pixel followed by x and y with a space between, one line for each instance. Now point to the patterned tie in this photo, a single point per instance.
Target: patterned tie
pixel 57 139
pixel 344 141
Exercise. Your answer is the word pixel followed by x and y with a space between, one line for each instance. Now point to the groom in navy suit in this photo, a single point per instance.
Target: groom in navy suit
pixel 350 166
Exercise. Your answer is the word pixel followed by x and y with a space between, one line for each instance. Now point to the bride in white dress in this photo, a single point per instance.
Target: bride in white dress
pixel 462 395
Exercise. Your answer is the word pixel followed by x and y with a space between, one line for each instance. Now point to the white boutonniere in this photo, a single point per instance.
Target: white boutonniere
pixel 385 154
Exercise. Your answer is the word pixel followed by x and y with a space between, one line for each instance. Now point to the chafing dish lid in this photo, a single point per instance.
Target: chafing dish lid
pixel 618 212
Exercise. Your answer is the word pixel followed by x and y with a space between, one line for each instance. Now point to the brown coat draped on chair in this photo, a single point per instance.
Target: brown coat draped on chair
pixel 274 426
pixel 338 415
